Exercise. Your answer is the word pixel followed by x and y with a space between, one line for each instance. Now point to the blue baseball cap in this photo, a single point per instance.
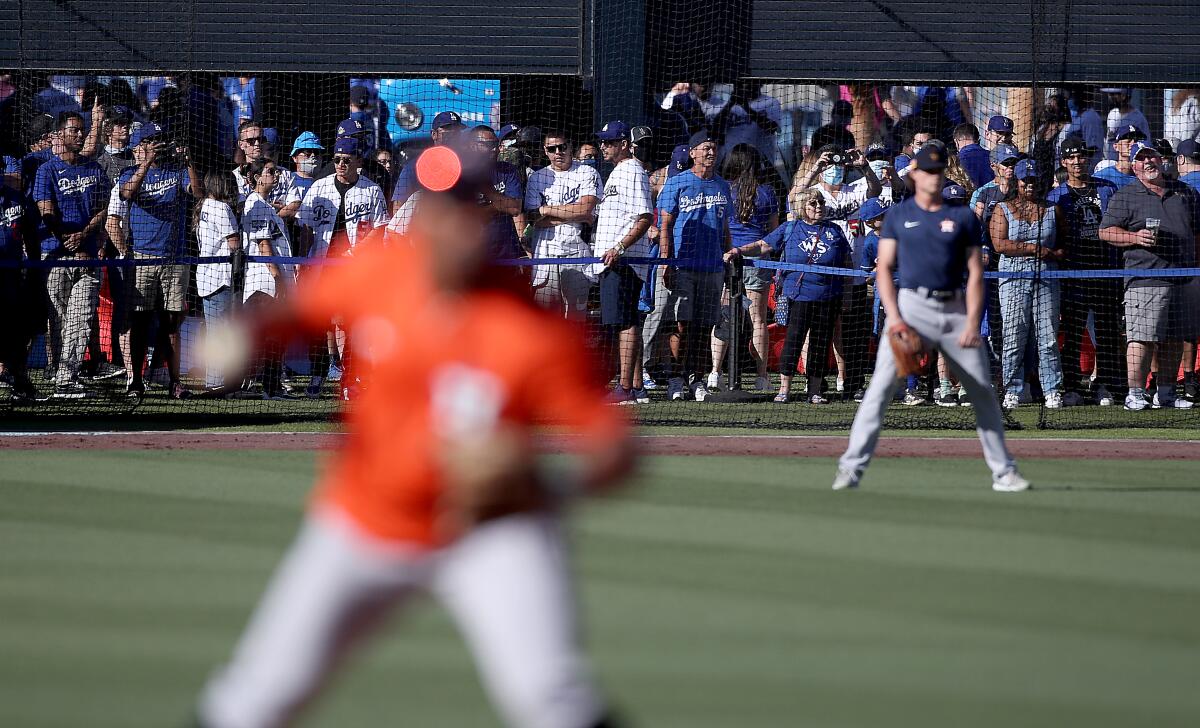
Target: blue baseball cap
pixel 144 132
pixel 699 138
pixel 506 130
pixel 1026 169
pixel 1004 153
pixel 613 131
pixel 680 160
pixel 954 193
pixel 1002 124
pixel 346 145
pixel 350 127
pixel 447 118
pixel 1130 131
pixel 1139 147
pixel 306 140
pixel 1189 148
pixel 871 209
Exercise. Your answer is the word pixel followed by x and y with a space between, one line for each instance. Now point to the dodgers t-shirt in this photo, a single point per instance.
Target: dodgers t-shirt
pixel 702 211
pixel 501 231
pixel 17 219
pixel 931 246
pixel 807 244
pixel 748 231
pixel 78 192
pixel 158 213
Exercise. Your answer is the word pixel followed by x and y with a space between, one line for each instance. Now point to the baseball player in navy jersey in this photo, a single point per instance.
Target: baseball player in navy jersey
pixel 931 244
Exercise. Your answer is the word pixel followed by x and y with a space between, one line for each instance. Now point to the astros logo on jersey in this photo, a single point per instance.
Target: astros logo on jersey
pixel 947 226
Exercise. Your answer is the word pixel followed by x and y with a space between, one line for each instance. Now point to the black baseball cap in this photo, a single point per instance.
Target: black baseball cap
pixel 699 138
pixel 1190 149
pixel 931 158
pixel 1074 144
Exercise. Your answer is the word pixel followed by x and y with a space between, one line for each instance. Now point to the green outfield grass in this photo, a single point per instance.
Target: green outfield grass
pixel 719 592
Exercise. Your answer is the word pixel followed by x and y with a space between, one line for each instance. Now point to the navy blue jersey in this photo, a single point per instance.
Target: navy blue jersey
pixel 931 247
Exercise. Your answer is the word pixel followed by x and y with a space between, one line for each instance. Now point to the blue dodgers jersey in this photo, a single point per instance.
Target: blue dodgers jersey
pixel 702 211
pixel 931 247
pixel 501 231
pixel 754 229
pixel 78 192
pixel 158 213
pixel 820 244
pixel 18 218
pixel 1114 175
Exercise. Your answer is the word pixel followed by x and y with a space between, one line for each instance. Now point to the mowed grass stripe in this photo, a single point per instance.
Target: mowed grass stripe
pixel 718 591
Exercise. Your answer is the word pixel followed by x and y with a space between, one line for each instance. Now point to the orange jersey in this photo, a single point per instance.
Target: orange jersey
pixel 435 368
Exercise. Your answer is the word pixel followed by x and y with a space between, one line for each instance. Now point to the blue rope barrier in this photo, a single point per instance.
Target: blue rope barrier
pixel 529 262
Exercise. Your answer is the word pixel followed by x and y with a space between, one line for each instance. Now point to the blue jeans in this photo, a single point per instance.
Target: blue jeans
pixel 1024 303
pixel 216 307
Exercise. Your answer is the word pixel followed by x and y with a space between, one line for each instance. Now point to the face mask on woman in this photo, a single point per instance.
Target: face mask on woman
pixel 307 166
pixel 833 175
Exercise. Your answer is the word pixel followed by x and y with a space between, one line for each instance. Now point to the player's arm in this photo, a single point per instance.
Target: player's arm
pixel 885 266
pixel 969 338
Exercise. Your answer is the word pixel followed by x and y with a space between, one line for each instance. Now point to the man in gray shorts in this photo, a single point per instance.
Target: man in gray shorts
pixel 694 209
pixel 1155 220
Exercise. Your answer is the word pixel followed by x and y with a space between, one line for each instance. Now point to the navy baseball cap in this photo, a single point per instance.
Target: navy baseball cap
pixel 954 193
pixel 146 131
pixel 1130 131
pixel 699 138
pixel 1002 124
pixel 680 160
pixel 877 151
pixel 1004 153
pixel 931 158
pixel 119 115
pixel 506 130
pixel 446 119
pixel 613 131
pixel 1074 144
pixel 1026 169
pixel 350 127
pixel 346 145
pixel 1139 147
pixel 871 209
pixel 1189 148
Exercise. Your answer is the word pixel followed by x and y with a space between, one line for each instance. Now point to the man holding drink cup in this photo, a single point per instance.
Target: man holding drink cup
pixel 1155 220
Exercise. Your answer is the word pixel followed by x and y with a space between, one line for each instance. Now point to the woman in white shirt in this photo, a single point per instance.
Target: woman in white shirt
pixel 1182 120
pixel 218 235
pixel 265 235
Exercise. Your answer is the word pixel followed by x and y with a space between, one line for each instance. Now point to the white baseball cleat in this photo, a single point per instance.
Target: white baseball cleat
pixel 845 479
pixel 1010 482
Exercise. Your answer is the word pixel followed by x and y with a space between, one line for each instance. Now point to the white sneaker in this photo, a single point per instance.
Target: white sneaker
pixel 699 391
pixel 1135 403
pixel 1170 402
pixel 841 385
pixel 912 399
pixel 762 384
pixel 1054 400
pixel 714 380
pixel 648 382
pixel 1103 397
pixel 845 479
pixel 675 389
pixel 1071 399
pixel 1012 400
pixel 1010 482
pixel 818 399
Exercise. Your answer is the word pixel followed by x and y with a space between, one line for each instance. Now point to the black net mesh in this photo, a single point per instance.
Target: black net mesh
pixel 114 265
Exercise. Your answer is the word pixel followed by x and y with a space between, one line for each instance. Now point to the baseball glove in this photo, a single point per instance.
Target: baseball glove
pixel 906 349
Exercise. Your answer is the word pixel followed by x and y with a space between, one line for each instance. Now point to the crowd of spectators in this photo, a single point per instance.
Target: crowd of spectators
pixel 723 175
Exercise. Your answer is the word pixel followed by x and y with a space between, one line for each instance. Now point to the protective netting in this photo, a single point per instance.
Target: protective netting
pixel 139 208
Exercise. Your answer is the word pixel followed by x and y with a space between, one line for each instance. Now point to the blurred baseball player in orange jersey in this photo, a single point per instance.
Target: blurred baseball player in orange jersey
pixel 438 487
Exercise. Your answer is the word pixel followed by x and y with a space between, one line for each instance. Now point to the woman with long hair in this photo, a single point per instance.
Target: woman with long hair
pixel 266 235
pixel 218 235
pixel 755 214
